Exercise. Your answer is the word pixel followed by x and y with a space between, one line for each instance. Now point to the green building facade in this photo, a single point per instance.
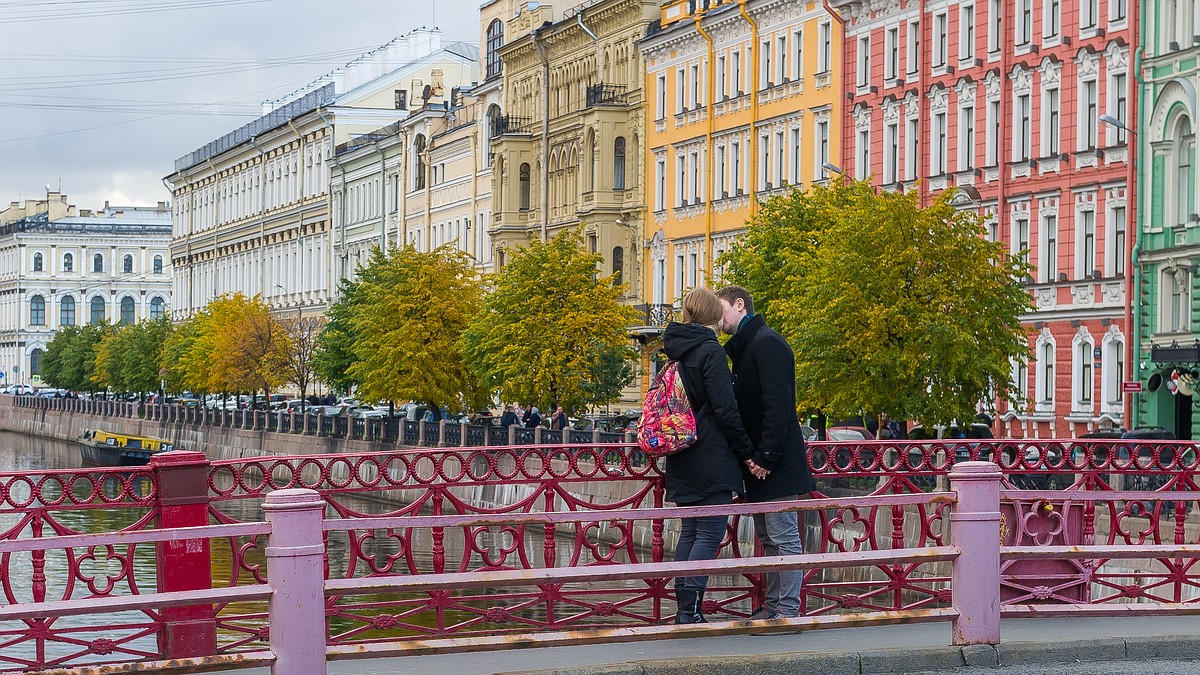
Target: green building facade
pixel 1166 256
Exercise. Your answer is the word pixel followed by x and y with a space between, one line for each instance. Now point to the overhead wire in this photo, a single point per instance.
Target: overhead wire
pixel 27 12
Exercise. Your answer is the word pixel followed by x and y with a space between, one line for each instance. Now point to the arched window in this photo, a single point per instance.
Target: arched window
pixel 127 264
pixel 35 362
pixel 619 163
pixel 68 262
pixel 419 162
pixel 37 311
pixel 98 263
pixel 97 311
pixel 495 40
pixel 523 197
pixel 126 310
pixel 66 311
pixel 158 267
pixel 1185 156
pixel 37 262
pixel 157 308
pixel 1084 386
pixel 618 262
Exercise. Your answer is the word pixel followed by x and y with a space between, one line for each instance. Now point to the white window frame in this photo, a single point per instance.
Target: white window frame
pixel 966 31
pixel 863 60
pixel 1174 316
pixel 1085 261
pixel 891 50
pixel 967 135
pixel 995 23
pixel 1048 247
pixel 1023 30
pixel 660 182
pixel 862 154
pixel 821 156
pixel 1089 15
pixel 940 39
pixel 1046 352
pixel 1116 238
pixel 1051 117
pixel 1021 127
pixel 992 132
pixel 938 139
pixel 891 151
pixel 825 46
pixel 912 148
pixel 1112 371
pixel 722 78
pixel 1052 18
pixel 798 54
pixel 797 149
pixel 1088 121
pixel 1083 374
pixel 912 47
pixel 1117 105
pixel 660 108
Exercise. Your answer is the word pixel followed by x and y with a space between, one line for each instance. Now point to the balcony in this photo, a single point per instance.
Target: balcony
pixel 511 124
pixel 657 315
pixel 605 94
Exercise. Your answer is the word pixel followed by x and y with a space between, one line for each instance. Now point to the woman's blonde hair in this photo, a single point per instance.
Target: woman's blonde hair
pixel 702 307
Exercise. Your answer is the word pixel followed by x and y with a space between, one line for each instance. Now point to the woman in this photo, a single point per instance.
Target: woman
pixel 709 472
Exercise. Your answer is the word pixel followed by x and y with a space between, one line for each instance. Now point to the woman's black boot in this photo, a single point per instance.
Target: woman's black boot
pixel 700 608
pixel 687 603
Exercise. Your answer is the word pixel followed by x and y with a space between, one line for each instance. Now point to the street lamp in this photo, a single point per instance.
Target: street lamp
pixel 833 168
pixel 1114 122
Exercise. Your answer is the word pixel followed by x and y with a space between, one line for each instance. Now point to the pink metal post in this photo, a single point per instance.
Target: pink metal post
pixel 296 573
pixel 975 573
pixel 184 565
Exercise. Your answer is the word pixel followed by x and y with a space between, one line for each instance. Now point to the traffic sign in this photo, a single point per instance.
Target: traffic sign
pixel 1131 387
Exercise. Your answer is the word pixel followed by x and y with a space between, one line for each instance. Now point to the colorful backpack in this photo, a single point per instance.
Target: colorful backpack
pixel 668 423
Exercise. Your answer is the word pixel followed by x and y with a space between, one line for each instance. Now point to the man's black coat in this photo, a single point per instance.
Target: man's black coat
pixel 764 383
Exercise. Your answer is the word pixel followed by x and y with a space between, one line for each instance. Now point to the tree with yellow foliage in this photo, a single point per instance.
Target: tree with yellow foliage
pixel 234 344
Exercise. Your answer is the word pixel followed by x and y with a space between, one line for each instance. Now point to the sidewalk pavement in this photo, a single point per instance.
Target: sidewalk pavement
pixel 904 648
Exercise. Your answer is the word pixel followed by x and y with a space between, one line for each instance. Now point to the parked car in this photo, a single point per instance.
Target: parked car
pixel 327 410
pixel 51 393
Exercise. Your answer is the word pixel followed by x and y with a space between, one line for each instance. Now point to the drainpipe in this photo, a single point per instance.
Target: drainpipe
pixel 842 152
pixel 329 292
pixel 710 193
pixel 341 213
pixel 382 197
pixel 1133 285
pixel 754 47
pixel 262 217
pixel 216 209
pixel 595 39
pixel 475 193
pixel 402 230
pixel 188 241
pixel 545 170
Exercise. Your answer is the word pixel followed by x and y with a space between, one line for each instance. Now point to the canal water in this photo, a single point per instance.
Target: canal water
pixel 124 567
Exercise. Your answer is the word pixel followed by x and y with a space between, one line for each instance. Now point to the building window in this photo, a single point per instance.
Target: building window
pixel 737 73
pixel 1184 150
pixel 735 169
pixel 618 265
pixel 1118 103
pixel 966 32
pixel 66 311
pixel 419 162
pixel 127 264
pixel 1024 28
pixel 1084 381
pixel 722 80
pixel 995 19
pixel 1085 235
pixel 825 54
pixel 158 264
pixel 37 262
pixel 97 263
pixel 619 163
pixel 523 182
pixel 781 72
pixel 912 139
pixel 939 145
pixel 1049 262
pixel 1052 19
pixel 158 308
pixel 796 156
pixel 912 56
pixel 68 262
pixel 126 311
pixel 864 61
pixel 863 166
pixel 1052 115
pixel 660 97
pixel 822 157
pixel 1020 376
pixel 891 151
pixel 991 155
pixel 764 65
pixel 966 138
pixel 1045 394
pixel 696 97
pixel 891 49
pixel 1021 136
pixel 1117 10
pixel 1112 370
pixel 1173 314
pixel 495 40
pixel 35 363
pixel 660 185
pixel 1089 11
pixel 780 159
pixel 1088 115
pixel 1021 238
pixel 939 40
pixel 97 311
pixel 37 311
pixel 797 55
pixel 1116 254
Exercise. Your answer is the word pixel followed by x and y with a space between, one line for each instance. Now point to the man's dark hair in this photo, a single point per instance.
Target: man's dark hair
pixel 731 293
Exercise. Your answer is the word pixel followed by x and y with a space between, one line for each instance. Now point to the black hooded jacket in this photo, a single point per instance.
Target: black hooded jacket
pixel 713 463
pixel 764 382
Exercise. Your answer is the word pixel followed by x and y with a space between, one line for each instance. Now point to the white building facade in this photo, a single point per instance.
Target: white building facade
pixel 253 208
pixel 61 267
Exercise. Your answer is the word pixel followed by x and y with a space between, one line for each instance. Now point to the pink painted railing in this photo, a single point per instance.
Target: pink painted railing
pixel 524 520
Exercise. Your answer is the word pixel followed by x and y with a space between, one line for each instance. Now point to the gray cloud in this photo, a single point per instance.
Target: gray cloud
pixel 109 79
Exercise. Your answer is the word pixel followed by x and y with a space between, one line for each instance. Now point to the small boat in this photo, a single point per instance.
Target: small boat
pixel 101 448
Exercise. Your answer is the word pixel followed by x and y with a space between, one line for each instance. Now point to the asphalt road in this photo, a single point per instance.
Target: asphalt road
pixel 1128 667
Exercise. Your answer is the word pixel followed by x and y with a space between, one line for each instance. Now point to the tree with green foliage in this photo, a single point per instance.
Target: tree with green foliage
pixel 234 344
pixel 551 332
pixel 407 319
pixel 892 308
pixel 335 342
pixel 131 357
pixel 69 361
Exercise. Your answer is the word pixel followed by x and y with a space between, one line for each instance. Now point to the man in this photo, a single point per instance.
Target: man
pixel 509 417
pixel 558 420
pixel 764 384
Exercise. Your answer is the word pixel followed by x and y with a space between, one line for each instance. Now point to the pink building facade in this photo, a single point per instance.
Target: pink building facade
pixel 1006 97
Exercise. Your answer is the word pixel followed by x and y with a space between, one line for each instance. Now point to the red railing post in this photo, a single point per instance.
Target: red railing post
pixel 184 565
pixel 296 573
pixel 975 573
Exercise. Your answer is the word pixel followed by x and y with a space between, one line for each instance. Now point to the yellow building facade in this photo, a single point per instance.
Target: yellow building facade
pixel 743 102
pixel 566 148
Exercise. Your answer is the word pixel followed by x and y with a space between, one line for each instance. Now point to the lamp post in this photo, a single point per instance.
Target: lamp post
pixel 1131 232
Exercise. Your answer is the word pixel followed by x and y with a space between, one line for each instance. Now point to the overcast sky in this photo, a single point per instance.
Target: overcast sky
pixel 101 96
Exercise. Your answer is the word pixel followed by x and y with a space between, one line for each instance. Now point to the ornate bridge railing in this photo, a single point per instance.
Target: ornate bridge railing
pixel 452 543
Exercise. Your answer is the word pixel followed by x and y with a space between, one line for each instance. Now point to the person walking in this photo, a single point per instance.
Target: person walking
pixel 764 374
pixel 709 471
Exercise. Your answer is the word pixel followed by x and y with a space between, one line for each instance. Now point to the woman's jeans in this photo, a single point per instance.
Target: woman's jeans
pixel 699 539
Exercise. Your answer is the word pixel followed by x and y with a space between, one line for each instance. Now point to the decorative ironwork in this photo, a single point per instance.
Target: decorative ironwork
pixel 606 94
pixel 511 124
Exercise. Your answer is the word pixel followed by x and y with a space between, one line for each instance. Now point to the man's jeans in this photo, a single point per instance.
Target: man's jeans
pixel 780 535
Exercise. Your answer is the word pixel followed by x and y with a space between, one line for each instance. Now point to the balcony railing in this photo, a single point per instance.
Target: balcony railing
pixel 605 94
pixel 511 124
pixel 657 315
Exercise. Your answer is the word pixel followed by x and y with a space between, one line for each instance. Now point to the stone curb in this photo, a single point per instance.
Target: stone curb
pixel 919 659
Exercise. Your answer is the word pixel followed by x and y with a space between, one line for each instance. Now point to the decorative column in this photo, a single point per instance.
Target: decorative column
pixel 975 574
pixel 296 573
